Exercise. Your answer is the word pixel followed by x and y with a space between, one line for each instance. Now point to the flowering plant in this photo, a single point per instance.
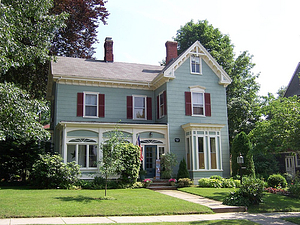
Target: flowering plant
pixel 172 180
pixel 147 181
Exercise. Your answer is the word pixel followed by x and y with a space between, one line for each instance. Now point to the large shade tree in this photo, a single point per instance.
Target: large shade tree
pixel 279 127
pixel 21 133
pixel 242 92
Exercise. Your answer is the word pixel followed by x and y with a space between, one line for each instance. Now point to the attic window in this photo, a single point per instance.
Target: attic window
pixel 196 65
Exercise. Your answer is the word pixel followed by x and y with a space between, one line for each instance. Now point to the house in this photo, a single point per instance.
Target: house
pixel 290 163
pixel 179 108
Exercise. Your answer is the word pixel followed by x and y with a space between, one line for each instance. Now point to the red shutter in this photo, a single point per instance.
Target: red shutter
pixel 101 105
pixel 207 104
pixel 129 107
pixel 157 107
pixel 165 102
pixel 80 104
pixel 149 108
pixel 188 103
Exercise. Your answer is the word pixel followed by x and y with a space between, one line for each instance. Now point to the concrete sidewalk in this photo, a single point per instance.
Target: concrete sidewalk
pixel 263 218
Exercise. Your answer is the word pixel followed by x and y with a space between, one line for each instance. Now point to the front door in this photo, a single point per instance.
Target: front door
pixel 290 165
pixel 150 155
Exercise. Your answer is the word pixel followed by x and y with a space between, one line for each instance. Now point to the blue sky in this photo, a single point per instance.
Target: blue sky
pixel 269 30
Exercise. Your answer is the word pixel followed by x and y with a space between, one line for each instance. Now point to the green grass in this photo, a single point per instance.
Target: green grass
pixel 20 202
pixel 295 220
pixel 271 202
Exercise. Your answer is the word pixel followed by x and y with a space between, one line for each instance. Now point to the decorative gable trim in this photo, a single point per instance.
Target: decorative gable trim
pixel 198 49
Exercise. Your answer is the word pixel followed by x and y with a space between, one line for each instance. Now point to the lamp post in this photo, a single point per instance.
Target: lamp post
pixel 240 161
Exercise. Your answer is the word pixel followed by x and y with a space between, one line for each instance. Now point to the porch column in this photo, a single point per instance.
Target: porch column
pixel 64 144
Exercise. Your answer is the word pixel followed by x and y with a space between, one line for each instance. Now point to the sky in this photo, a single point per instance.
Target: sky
pixel 267 29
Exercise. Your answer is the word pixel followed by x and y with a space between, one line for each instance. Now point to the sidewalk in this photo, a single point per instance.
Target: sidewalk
pixel 262 218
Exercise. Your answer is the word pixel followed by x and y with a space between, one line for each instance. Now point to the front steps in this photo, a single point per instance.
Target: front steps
pixel 161 184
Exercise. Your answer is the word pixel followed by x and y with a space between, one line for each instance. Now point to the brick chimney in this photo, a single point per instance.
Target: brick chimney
pixel 108 50
pixel 171 47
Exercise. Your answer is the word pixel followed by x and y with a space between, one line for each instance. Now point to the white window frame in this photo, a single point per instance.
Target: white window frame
pixel 133 106
pixel 197 90
pixel 97 103
pixel 161 106
pixel 87 145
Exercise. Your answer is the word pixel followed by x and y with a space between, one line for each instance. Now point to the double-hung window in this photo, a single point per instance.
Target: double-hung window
pixel 90 105
pixel 139 110
pixel 195 64
pixel 197 103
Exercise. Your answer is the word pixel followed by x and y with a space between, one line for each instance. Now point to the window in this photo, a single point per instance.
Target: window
pixel 197 104
pixel 161 105
pixel 90 104
pixel 197 101
pixel 213 153
pixel 139 109
pixel 84 155
pixel 201 153
pixel 195 65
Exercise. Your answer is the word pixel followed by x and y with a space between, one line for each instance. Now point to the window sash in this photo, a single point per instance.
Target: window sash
pixel 195 64
pixel 91 105
pixel 197 103
pixel 139 109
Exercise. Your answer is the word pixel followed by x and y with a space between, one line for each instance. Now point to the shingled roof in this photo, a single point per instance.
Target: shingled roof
pixel 79 68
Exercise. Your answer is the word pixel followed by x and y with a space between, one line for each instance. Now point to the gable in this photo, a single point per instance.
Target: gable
pixel 198 50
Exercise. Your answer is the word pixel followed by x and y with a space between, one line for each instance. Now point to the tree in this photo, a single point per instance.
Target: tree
pixel 77 38
pixel 183 171
pixel 21 134
pixel 243 88
pixel 279 128
pixel 26 31
pixel 241 146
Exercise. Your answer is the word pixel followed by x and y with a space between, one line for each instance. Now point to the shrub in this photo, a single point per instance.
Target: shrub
pixel 168 161
pixel 294 189
pixel 137 185
pixel 276 180
pixel 204 182
pixel 50 172
pixel 250 193
pixel 183 171
pixel 217 177
pixel 184 182
pixel 218 182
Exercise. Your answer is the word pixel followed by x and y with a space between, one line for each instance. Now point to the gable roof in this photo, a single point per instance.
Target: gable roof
pixel 293 87
pixel 197 49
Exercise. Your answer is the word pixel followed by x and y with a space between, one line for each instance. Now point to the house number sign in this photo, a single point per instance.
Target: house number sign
pixel 177 139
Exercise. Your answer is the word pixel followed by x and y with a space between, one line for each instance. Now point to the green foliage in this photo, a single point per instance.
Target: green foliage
pixel 280 128
pixel 294 189
pixel 250 193
pixel 27 29
pixel 19 115
pixel 183 171
pixel 276 180
pixel 168 161
pixel 242 92
pixel 218 182
pixel 241 145
pixel 265 164
pixel 50 172
pixel 184 182
pixel 130 159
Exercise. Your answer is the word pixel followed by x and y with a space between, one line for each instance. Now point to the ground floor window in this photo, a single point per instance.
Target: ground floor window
pixel 203 150
pixel 84 155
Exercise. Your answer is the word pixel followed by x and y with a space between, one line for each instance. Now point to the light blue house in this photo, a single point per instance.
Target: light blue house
pixel 180 108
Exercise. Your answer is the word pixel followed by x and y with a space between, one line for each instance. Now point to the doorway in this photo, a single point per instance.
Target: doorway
pixel 150 160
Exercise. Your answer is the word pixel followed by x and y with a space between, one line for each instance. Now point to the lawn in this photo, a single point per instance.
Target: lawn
pixel 295 220
pixel 20 202
pixel 271 202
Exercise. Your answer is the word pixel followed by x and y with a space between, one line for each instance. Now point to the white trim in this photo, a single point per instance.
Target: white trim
pixel 97 103
pixel 200 64
pixel 145 99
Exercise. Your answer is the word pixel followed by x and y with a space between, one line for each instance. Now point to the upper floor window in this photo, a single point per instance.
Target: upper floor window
pixel 196 65
pixel 139 110
pixel 139 107
pixel 90 104
pixel 197 103
pixel 161 105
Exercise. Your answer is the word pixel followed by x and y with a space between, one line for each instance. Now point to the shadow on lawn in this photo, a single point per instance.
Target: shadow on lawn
pixel 78 198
